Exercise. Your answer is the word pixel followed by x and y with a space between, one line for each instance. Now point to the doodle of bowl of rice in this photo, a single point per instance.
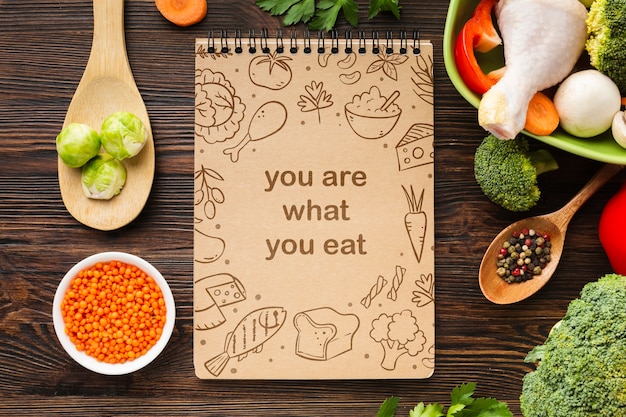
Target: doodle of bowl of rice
pixel 219 111
pixel 372 115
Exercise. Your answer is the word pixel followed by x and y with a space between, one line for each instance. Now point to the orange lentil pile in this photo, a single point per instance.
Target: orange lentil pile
pixel 114 312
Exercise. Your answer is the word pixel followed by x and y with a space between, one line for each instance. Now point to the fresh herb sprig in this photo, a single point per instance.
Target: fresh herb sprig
pixel 323 14
pixel 462 404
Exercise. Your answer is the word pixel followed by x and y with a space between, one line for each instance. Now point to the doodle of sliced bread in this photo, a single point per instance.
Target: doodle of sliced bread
pixel 323 333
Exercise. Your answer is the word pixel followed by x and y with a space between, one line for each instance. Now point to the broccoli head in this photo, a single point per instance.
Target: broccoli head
pixel 506 171
pixel 606 44
pixel 581 369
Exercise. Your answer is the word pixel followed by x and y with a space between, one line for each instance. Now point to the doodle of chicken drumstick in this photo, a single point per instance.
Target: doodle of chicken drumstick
pixel 267 120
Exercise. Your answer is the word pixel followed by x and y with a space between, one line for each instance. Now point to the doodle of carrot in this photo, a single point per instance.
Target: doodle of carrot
pixel 415 222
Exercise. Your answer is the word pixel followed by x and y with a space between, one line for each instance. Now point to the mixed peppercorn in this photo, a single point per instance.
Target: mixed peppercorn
pixel 523 256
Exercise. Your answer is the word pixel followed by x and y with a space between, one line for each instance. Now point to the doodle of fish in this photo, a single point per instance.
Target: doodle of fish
pixel 249 336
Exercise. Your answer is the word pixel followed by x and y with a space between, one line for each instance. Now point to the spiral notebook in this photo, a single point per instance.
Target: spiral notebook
pixel 314 200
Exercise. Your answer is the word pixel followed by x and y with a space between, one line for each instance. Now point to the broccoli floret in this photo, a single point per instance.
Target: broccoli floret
pixel 582 364
pixel 506 171
pixel 606 45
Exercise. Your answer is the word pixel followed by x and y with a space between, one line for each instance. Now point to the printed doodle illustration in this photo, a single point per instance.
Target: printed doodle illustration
pixel 398 334
pixel 267 120
pixel 213 293
pixel 218 110
pixel 209 248
pixel 270 71
pixel 416 147
pixel 397 280
pixel 415 222
pixel 249 336
pixel 315 99
pixel 424 79
pixel 387 63
pixel 206 195
pixel 381 283
pixel 323 333
pixel 375 289
pixel 425 293
pixel 372 115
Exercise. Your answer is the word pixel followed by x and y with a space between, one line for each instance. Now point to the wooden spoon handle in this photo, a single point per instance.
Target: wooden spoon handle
pixel 594 184
pixel 108 50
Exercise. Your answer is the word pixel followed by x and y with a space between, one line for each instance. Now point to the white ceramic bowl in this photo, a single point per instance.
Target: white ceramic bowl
pixel 90 362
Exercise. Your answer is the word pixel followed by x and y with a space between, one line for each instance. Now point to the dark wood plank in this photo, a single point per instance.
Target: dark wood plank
pixel 44 47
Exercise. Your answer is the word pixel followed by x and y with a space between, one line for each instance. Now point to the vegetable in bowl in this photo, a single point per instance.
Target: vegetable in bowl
pixel 606 45
pixel 600 148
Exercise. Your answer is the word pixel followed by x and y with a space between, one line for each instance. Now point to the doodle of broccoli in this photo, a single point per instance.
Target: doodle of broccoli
pixel 398 334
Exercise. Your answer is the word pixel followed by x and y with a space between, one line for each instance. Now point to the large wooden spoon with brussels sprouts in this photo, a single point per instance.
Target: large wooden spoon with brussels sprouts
pixel 108 86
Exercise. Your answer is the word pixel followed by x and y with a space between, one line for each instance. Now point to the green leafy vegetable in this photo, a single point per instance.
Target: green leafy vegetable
pixel 377 6
pixel 462 404
pixel 103 177
pixel 323 14
pixel 123 135
pixel 389 407
pixel 581 366
pixel 76 144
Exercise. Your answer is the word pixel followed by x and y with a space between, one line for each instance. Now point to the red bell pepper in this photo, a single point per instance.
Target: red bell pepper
pixel 612 230
pixel 478 34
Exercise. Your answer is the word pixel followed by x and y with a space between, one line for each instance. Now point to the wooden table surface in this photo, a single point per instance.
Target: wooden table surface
pixel 44 46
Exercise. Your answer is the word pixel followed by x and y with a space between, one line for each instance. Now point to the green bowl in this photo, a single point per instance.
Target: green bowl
pixel 600 148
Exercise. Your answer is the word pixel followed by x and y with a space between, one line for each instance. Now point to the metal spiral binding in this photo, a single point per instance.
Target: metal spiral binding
pixel 366 42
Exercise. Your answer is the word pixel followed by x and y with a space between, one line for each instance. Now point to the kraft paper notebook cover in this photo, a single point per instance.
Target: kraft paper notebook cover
pixel 314 196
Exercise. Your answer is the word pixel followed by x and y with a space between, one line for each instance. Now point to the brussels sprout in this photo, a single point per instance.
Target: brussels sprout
pixel 103 177
pixel 123 135
pixel 77 143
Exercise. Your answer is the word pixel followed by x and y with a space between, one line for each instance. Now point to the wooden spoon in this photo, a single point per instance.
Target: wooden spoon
pixel 555 224
pixel 108 86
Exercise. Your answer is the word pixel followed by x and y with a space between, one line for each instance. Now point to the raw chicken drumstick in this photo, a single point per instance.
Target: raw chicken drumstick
pixel 542 40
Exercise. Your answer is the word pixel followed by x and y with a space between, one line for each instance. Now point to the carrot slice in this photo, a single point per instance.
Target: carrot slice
pixel 542 118
pixel 182 12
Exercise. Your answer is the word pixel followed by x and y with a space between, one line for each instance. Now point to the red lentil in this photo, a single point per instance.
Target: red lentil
pixel 113 312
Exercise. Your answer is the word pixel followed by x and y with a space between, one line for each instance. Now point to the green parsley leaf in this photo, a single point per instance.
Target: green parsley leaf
pixel 302 11
pixel 327 11
pixel 389 407
pixel 485 407
pixel 463 394
pixel 430 410
pixel 276 7
pixel 377 6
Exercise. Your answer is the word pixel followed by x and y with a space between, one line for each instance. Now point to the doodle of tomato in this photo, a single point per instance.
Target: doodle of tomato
pixel 270 71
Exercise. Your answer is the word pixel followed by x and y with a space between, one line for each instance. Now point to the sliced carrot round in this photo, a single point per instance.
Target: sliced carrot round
pixel 542 118
pixel 182 12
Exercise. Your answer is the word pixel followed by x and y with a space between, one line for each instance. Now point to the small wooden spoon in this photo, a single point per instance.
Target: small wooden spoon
pixel 555 224
pixel 108 86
